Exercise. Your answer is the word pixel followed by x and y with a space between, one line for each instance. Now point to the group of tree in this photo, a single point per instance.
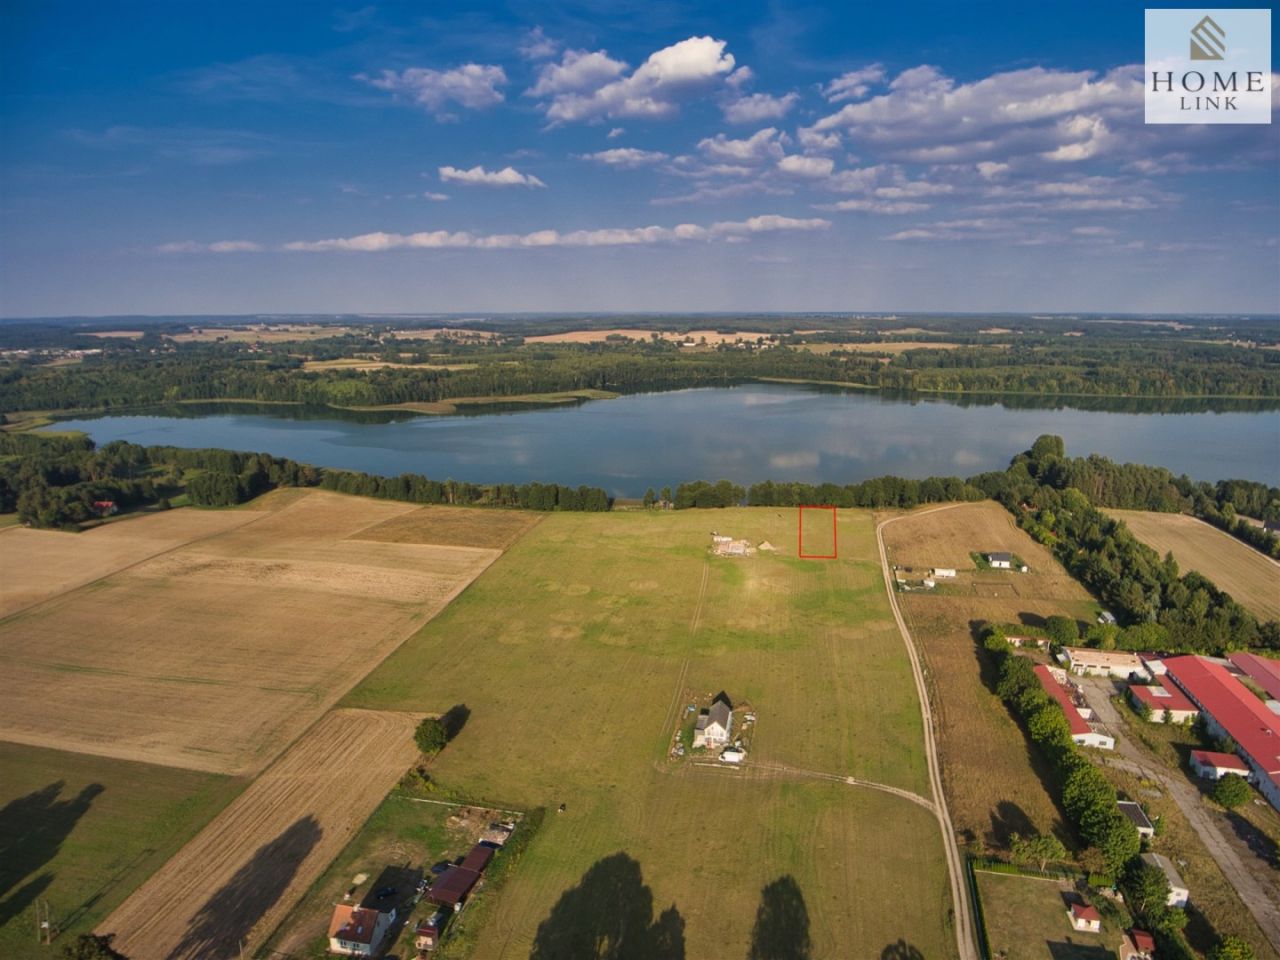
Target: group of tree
pixel 1185 612
pixel 1087 797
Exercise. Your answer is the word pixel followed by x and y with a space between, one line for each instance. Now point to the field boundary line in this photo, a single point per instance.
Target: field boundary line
pixel 464 803
pixel 965 940
pixel 262 515
pixel 832 777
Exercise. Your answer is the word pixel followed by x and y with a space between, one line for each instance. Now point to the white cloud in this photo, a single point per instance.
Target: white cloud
pixel 576 72
pixel 626 157
pixel 220 246
pixel 472 85
pixel 479 176
pixel 536 45
pixel 811 167
pixel 892 207
pixel 726 230
pixel 853 85
pixel 761 146
pixel 654 89
pixel 990 170
pixel 432 195
pixel 758 107
pixel 930 118
pixel 614 133
pixel 1093 231
pixel 812 140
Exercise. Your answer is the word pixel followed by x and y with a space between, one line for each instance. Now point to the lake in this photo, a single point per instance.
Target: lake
pixel 744 433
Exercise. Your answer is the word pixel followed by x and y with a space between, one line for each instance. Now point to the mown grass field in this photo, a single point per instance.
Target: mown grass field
pixel 576 653
pixel 1250 577
pixel 994 779
pixel 81 832
pixel 1027 920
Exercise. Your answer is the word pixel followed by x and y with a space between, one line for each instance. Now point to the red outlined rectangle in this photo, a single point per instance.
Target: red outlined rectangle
pixel 800 535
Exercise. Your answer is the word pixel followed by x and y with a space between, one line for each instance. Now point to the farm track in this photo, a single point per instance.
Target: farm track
pixel 965 940
pixel 785 770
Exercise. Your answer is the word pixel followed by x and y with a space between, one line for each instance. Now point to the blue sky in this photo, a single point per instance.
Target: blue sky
pixel 276 157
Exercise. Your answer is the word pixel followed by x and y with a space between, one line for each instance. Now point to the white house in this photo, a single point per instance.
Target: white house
pixel 1085 918
pixel 714 725
pixel 942 573
pixel 1179 895
pixel 358 931
pixel 1000 561
pixel 1209 765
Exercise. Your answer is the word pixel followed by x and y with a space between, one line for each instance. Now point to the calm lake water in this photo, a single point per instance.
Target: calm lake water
pixel 746 434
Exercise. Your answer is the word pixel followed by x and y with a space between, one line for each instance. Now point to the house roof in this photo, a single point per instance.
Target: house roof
pixel 1104 658
pixel 1223 761
pixel 353 924
pixel 1136 814
pixel 454 884
pixel 1242 715
pixel 1142 940
pixel 1159 697
pixel 1084 911
pixel 1000 556
pixel 1055 690
pixel 1264 672
pixel 478 858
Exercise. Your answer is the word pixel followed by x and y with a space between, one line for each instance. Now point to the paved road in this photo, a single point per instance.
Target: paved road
pixel 1132 757
pixel 965 941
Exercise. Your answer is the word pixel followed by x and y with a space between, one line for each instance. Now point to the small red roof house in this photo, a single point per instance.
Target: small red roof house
pixel 1086 918
pixel 427 935
pixel 1137 945
pixel 1209 765
pixel 452 888
pixel 1161 699
pixel 358 931
pixel 105 508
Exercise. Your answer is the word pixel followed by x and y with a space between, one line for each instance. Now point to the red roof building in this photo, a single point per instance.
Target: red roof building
pixel 1211 765
pixel 1161 698
pixel 1086 917
pixel 1081 732
pixel 478 858
pixel 1265 673
pixel 1235 711
pixel 452 887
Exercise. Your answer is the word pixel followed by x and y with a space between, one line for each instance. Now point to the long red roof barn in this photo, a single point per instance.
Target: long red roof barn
pixel 1265 673
pixel 1055 690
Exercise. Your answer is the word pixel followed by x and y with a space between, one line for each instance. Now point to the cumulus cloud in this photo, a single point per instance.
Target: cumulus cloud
pixel 853 85
pixel 578 71
pixel 436 197
pixel 472 85
pixel 536 45
pixel 727 230
pixel 810 167
pixel 758 107
pixel 625 157
pixel 891 207
pixel 479 176
pixel 761 146
pixel 928 117
pixel 614 133
pixel 654 89
pixel 814 141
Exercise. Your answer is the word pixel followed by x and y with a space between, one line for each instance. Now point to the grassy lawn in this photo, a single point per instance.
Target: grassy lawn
pixel 1027 920
pixel 575 653
pixel 82 832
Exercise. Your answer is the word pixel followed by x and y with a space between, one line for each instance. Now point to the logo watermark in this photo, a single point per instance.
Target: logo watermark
pixel 1208 66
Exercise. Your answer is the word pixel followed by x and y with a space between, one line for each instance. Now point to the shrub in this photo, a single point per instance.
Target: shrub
pixel 1231 791
pixel 431 736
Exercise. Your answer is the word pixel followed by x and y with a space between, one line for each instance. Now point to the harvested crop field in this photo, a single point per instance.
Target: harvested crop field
pixel 1252 578
pixel 887 348
pixel 578 653
pixel 38 564
pixel 215 655
pixel 238 877
pixel 461 526
pixel 713 337
pixel 994 779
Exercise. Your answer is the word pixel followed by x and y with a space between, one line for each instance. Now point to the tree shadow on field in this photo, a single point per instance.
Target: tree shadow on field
pixel 1261 845
pixel 901 950
pixel 782 923
pixel 32 831
pixel 231 912
pixel 1007 819
pixel 1070 950
pixel 609 916
pixel 988 670
pixel 454 719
